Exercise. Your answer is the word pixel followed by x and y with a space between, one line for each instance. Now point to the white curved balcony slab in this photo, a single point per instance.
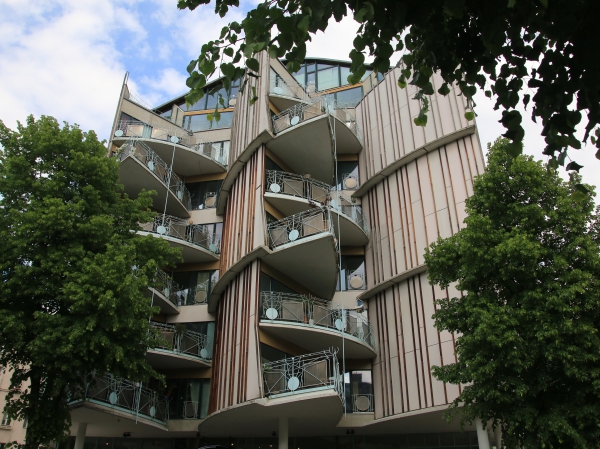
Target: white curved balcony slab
pixel 352 234
pixel 191 253
pixel 135 176
pixel 306 147
pixel 165 359
pixel 108 421
pixel 160 300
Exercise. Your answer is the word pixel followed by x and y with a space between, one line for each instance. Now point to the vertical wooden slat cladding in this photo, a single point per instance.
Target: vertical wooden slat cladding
pixel 408 210
pixel 243 225
pixel 249 120
pixel 236 364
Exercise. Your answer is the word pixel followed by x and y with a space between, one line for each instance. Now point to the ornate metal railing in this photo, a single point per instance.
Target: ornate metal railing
pixel 143 153
pixel 127 396
pixel 172 134
pixel 362 403
pixel 179 340
pixel 167 287
pixel 313 190
pixel 299 226
pixel 313 108
pixel 302 373
pixel 316 312
pixel 277 86
pixel 181 229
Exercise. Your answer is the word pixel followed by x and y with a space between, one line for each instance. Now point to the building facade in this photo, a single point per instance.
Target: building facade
pixel 301 314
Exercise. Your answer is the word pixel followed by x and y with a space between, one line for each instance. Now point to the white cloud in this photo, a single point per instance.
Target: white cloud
pixel 168 81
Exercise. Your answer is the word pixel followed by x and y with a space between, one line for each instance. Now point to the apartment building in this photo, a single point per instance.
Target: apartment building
pixel 301 314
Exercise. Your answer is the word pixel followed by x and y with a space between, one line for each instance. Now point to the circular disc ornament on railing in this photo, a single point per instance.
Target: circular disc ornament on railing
pixel 271 313
pixel 180 194
pixel 350 183
pixel 295 120
pixel 339 324
pixel 293 383
pixel 277 90
pixel 356 282
pixel 204 353
pixel 152 411
pixel 161 230
pixel 166 292
pixel 174 139
pixel 330 109
pixel 275 188
pixel 119 133
pixel 212 247
pixel 112 397
pixel 293 235
pixel 151 165
pixel 362 403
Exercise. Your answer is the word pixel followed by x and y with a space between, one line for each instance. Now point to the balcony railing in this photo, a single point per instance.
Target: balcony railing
pixel 180 229
pixel 127 396
pixel 156 165
pixel 173 135
pixel 315 107
pixel 300 374
pixel 299 226
pixel 362 403
pixel 277 86
pixel 295 308
pixel 179 340
pixel 165 285
pixel 313 190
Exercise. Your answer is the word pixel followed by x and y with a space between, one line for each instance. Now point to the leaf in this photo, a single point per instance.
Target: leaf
pixel 454 8
pixel 304 23
pixel 444 90
pixel 207 67
pixel 598 154
pixel 228 51
pixel 488 93
pixel 228 70
pixel 209 117
pixel 402 82
pixel 253 64
pixel 470 115
pixel 574 166
pixel 421 119
pixel 192 65
pixel 514 149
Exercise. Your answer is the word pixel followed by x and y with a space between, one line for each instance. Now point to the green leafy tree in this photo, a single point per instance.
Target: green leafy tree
pixel 73 272
pixel 541 52
pixel 527 264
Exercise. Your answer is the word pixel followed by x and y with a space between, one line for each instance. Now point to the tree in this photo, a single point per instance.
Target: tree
pixel 527 265
pixel 519 51
pixel 73 272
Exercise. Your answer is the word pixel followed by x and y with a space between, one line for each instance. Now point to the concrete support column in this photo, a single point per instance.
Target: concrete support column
pixel 482 435
pixel 283 433
pixel 498 437
pixel 80 438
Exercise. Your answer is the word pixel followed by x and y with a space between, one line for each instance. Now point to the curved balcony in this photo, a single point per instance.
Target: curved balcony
pixel 121 397
pixel 304 136
pixel 193 155
pixel 141 168
pixel 315 324
pixel 284 96
pixel 196 242
pixel 164 294
pixel 292 194
pixel 181 348
pixel 304 248
pixel 307 389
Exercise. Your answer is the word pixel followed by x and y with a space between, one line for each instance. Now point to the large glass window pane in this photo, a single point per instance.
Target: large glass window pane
pixel 328 77
pixel 204 194
pixel 197 122
pixel 268 284
pixel 344 73
pixel 350 97
pixel 346 170
pixel 300 75
pixel 358 384
pixel 271 354
pixel 195 286
pixel 224 122
pixel 310 77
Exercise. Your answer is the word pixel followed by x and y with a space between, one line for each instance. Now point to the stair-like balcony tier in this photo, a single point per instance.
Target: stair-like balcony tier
pixel 305 249
pixel 113 394
pixel 315 324
pixel 180 348
pixel 141 168
pixel 193 154
pixel 314 191
pixel 302 374
pixel 196 242
pixel 284 96
pixel 309 135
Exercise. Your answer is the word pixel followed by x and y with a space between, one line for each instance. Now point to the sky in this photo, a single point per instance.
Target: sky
pixel 68 59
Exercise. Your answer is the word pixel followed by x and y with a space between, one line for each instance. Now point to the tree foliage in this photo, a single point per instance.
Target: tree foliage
pixel 528 266
pixel 519 51
pixel 73 272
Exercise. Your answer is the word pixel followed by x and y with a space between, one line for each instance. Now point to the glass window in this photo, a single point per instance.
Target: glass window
pixel 352 273
pixel 268 284
pixel 204 194
pixel 200 122
pixel 188 398
pixel 344 74
pixel 350 97
pixel 270 354
pixel 310 77
pixel 300 75
pixel 5 420
pixel 195 286
pixel 328 77
pixel 357 384
pixel 271 165
pixel 167 114
pixel 345 170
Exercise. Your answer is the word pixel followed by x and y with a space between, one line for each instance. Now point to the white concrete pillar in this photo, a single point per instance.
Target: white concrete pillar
pixel 498 437
pixel 80 438
pixel 283 433
pixel 482 435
